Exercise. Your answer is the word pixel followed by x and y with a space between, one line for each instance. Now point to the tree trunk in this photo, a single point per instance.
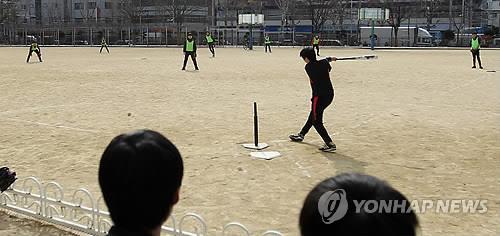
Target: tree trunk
pixel 396 29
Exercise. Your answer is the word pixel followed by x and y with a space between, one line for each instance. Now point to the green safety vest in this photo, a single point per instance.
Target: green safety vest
pixel 34 46
pixel 316 41
pixel 189 46
pixel 268 41
pixel 210 39
pixel 475 43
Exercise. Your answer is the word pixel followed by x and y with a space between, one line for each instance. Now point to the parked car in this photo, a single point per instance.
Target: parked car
pixel 124 42
pixel 81 42
pixel 331 42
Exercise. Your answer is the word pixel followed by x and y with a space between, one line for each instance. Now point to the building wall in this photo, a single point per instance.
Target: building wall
pixel 26 12
pixel 492 7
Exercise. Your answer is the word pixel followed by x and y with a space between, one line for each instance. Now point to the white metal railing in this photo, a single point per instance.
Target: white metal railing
pixel 83 213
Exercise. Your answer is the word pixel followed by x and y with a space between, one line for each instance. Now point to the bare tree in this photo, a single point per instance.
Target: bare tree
pixel 8 12
pixel 84 11
pixel 430 7
pixel 459 26
pixel 8 18
pixel 338 12
pixel 284 6
pixel 131 10
pixel 397 15
pixel 178 11
pixel 53 12
pixel 319 11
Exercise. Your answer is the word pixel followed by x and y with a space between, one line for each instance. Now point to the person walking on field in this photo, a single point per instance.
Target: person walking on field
pixel 190 51
pixel 210 42
pixel 268 43
pixel 104 44
pixel 475 46
pixel 322 97
pixel 315 43
pixel 34 48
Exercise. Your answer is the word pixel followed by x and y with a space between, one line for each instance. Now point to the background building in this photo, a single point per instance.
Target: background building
pixel 286 21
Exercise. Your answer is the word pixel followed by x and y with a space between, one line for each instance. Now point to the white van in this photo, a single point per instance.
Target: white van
pixel 384 36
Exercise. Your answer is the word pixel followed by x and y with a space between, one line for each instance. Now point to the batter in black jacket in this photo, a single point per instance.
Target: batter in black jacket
pixel 322 97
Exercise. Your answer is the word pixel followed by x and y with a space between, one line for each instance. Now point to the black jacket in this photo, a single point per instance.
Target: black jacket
pixel 117 231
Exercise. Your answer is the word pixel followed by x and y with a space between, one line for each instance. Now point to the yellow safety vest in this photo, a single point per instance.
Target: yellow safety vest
pixel 189 46
pixel 210 39
pixel 475 43
pixel 316 41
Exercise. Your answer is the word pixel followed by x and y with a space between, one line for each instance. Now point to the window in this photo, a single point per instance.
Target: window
pixel 108 5
pixel 78 6
pixel 92 5
pixel 23 7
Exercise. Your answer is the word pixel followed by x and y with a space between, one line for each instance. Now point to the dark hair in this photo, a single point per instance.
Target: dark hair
pixel 358 187
pixel 474 32
pixel 308 53
pixel 140 174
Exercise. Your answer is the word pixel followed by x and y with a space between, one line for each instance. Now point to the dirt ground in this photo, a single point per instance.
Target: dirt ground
pixel 421 119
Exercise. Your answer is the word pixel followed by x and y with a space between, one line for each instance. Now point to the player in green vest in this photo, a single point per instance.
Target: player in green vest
pixel 315 43
pixel 268 43
pixel 190 50
pixel 210 42
pixel 34 48
pixel 475 46
pixel 104 45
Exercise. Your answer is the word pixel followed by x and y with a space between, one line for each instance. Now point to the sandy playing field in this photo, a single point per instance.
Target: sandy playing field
pixel 422 120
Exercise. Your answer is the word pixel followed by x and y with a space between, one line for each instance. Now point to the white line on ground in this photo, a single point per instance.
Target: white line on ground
pixel 43 107
pixel 51 125
pixel 304 171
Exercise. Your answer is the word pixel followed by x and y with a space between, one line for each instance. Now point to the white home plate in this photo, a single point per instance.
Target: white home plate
pixel 252 146
pixel 265 155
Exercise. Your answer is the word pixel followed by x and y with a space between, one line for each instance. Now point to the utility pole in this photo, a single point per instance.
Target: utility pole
pixel 350 25
pixel 463 13
pixel 451 5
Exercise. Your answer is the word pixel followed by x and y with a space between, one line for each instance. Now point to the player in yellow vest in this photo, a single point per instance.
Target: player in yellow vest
pixel 475 46
pixel 190 50
pixel 104 45
pixel 268 43
pixel 34 48
pixel 315 43
pixel 210 42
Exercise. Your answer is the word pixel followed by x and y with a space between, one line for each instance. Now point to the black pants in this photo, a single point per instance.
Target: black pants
pixel 316 46
pixel 193 57
pixel 211 48
pixel 37 53
pixel 268 46
pixel 318 106
pixel 104 46
pixel 475 54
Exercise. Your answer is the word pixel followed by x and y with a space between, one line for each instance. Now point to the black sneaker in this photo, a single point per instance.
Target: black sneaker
pixel 183 69
pixel 474 67
pixel 329 147
pixel 296 137
pixel 480 67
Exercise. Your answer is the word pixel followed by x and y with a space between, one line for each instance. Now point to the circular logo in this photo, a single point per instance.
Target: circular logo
pixel 332 206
